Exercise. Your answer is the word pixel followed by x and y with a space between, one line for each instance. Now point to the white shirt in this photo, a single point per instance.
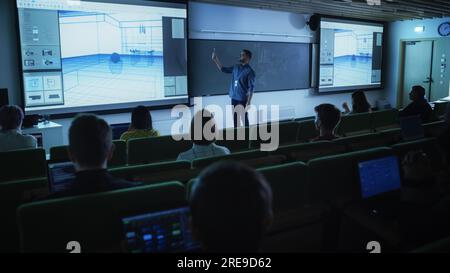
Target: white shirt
pixel 201 151
pixel 14 140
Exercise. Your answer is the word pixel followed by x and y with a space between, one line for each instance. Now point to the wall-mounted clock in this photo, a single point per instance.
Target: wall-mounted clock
pixel 444 29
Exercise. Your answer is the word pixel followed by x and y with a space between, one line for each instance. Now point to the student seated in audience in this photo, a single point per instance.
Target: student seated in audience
pixel 419 105
pixel 359 104
pixel 11 138
pixel 231 208
pixel 327 119
pixel 141 125
pixel 90 148
pixel 203 145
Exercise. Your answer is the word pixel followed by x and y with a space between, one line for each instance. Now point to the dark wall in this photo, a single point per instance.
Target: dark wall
pixel 9 63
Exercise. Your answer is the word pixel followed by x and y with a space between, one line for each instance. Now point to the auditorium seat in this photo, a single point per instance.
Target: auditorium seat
pixel 254 158
pixel 189 186
pixel 156 172
pixel 92 220
pixel 394 134
pixel 354 124
pixel 60 154
pixel 307 151
pixel 119 157
pixel 232 142
pixel 334 179
pixel 12 195
pixel 288 132
pixel 434 129
pixel 439 110
pixel 289 185
pixel 22 164
pixel 155 149
pixel 367 141
pixel 385 119
pixel 295 220
pixel 429 146
pixel 307 130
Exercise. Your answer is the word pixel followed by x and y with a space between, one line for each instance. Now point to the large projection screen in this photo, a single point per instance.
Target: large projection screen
pixel 102 55
pixel 351 55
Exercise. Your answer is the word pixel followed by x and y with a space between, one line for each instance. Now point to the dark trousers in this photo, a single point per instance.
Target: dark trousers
pixel 237 115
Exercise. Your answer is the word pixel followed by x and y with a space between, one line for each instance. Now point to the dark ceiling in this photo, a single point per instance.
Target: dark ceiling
pixel 389 10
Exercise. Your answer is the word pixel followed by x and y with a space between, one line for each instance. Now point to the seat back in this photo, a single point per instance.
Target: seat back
pixel 355 124
pixel 363 142
pixel 155 149
pixel 93 220
pixel 394 135
pixel 306 130
pixel 439 110
pixel 434 129
pixel 295 220
pixel 307 151
pixel 59 154
pixel 13 194
pixel 385 119
pixel 22 164
pixel 235 139
pixel 120 154
pixel 287 133
pixel 156 172
pixel 252 158
pixel 289 185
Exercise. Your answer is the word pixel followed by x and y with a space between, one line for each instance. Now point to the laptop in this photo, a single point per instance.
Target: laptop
pixel 380 193
pixel 159 232
pixel 378 177
pixel 60 176
pixel 412 128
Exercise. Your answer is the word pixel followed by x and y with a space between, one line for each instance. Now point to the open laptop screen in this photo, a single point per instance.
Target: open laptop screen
pixel 166 231
pixel 379 176
pixel 61 176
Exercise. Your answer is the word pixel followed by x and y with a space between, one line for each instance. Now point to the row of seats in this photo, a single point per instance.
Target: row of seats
pixel 165 148
pixel 301 192
pixel 142 151
pixel 33 164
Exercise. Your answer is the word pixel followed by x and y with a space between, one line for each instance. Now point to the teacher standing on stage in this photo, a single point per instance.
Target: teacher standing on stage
pixel 242 85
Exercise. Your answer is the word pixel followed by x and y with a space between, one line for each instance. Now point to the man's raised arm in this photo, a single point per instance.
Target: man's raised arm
pixel 219 64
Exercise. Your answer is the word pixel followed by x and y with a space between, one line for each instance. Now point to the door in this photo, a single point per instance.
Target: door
pixel 417 67
pixel 440 87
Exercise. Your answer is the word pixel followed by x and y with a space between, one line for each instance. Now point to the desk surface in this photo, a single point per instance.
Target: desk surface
pixel 43 125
